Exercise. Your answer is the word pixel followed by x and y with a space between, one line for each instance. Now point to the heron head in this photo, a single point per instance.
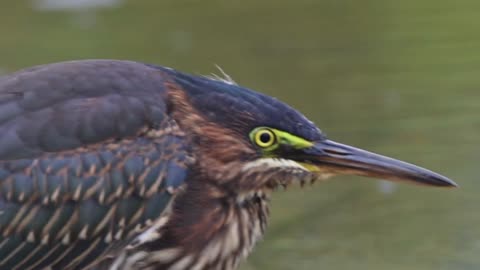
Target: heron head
pixel 247 141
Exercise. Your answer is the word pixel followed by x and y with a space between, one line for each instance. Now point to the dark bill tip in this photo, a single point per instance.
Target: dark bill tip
pixel 339 158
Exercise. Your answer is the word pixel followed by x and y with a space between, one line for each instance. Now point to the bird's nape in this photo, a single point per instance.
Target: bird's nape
pixel 110 164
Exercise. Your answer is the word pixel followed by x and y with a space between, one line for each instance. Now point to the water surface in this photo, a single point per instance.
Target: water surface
pixel 397 77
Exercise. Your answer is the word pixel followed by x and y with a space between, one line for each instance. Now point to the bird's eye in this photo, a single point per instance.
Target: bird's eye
pixel 264 138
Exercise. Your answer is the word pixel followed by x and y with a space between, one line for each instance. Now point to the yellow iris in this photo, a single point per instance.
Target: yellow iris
pixel 265 138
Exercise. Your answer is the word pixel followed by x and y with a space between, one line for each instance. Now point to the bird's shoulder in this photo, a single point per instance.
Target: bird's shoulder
pixel 66 105
pixel 88 158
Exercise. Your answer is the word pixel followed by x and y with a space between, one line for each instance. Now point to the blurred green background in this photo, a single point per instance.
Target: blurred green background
pixel 400 78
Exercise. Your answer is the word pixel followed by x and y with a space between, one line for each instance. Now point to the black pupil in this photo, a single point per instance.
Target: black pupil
pixel 265 137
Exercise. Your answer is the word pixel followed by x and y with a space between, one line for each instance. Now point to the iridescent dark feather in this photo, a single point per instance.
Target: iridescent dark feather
pixel 125 166
pixel 87 161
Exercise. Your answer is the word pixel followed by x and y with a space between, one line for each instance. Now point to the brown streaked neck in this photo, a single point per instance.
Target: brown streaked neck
pixel 210 227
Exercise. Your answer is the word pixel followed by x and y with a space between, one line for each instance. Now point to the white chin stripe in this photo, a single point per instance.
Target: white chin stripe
pixel 268 163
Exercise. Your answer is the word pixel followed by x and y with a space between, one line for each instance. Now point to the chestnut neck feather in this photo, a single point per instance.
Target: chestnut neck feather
pixel 206 229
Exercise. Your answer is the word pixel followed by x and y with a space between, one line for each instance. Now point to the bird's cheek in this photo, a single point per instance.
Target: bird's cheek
pixel 322 172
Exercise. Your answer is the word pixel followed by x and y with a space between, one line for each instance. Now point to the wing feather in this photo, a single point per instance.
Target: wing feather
pixel 84 163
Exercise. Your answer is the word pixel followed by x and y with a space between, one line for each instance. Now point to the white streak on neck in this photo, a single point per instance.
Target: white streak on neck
pixel 268 163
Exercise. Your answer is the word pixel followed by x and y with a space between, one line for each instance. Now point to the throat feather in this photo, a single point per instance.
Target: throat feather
pixel 203 234
pixel 268 163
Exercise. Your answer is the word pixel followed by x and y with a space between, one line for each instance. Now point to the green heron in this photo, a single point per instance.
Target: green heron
pixel 110 164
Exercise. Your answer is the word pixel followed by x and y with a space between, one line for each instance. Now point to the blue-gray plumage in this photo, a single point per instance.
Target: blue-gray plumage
pixel 110 164
pixel 243 109
pixel 80 169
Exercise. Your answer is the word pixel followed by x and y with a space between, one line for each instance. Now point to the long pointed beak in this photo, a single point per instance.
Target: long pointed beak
pixel 335 158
